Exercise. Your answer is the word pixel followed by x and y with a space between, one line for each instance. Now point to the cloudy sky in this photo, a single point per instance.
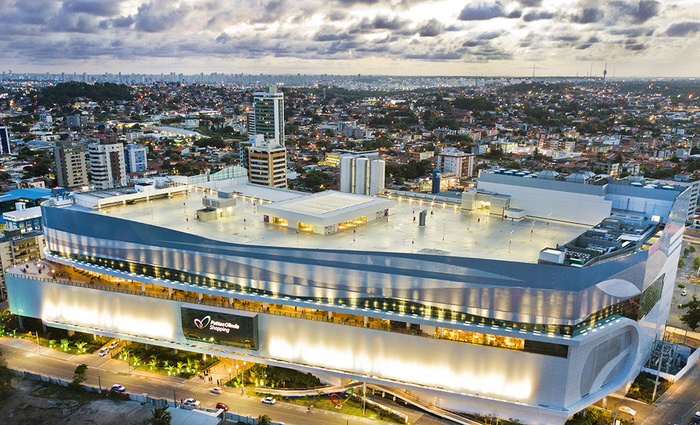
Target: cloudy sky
pixel 390 37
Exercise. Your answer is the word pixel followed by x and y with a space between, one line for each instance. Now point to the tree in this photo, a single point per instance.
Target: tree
pixel 264 420
pixel 159 416
pixel 79 376
pixel 696 263
pixel 692 317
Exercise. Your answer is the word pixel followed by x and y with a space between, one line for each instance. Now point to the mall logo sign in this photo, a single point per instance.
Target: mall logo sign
pixel 214 325
pixel 201 324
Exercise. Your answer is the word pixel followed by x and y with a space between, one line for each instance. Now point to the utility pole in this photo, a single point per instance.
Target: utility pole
pixel 658 371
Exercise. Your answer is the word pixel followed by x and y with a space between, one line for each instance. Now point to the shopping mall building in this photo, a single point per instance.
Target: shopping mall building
pixel 528 298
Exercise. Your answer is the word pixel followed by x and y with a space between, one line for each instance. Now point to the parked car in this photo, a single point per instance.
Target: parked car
pixel 684 292
pixel 269 400
pixel 191 402
pixel 118 388
pixel 217 390
pixel 103 352
pixel 113 344
pixel 628 410
pixel 222 406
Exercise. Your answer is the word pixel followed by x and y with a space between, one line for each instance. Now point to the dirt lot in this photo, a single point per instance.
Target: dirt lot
pixel 34 403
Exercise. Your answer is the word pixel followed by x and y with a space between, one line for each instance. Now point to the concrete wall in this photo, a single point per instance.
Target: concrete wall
pixel 564 206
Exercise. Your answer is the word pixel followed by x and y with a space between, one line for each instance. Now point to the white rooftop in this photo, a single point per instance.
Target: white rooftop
pixel 448 229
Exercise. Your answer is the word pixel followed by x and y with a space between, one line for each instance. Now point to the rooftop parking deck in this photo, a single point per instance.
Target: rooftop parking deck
pixel 448 230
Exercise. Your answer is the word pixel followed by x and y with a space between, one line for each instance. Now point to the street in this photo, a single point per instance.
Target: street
pixel 24 355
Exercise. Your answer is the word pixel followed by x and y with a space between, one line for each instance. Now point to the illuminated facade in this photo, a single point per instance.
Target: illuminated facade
pixel 473 312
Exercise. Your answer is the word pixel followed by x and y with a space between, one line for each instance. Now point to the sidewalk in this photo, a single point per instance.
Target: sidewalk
pixel 218 372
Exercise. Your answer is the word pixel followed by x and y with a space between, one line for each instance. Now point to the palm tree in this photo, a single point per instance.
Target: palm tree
pixel 180 366
pixel 153 363
pixel 80 346
pixel 159 416
pixel 64 344
pixel 136 360
pixel 263 420
pixel 126 351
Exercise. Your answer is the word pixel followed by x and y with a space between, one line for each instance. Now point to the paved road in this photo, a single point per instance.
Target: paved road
pixel 24 355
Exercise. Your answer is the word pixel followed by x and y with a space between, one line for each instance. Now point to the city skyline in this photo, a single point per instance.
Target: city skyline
pixel 409 37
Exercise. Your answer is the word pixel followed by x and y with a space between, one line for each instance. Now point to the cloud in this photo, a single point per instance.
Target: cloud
pixel 530 3
pixel 337 15
pixel 435 56
pixel 588 15
pixel 379 23
pixel 637 12
pixel 331 33
pixel 633 32
pixel 157 19
pixel 97 8
pixel 482 12
pixel 683 29
pixel 537 16
pixel 634 46
pixel 490 35
pixel 432 28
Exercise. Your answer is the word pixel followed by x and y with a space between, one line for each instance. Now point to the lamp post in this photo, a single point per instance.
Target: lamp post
pixel 511 241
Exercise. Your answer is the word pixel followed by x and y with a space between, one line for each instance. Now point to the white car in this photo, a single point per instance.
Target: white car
pixel 191 402
pixel 628 410
pixel 118 388
pixel 684 292
pixel 113 344
pixel 269 400
pixel 103 352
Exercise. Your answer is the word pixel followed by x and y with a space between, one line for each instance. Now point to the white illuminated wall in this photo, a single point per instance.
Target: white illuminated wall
pixel 458 367
pixel 457 375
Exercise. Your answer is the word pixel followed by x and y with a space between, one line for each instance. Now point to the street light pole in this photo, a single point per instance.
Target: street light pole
pixel 511 241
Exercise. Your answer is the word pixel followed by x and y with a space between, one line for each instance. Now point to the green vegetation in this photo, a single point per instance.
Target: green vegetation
pixel 164 361
pixel 79 376
pixel 275 377
pixel 264 420
pixel 64 93
pixel 642 388
pixel 593 416
pixel 691 318
pixel 159 416
pixel 410 170
pixel 316 180
pixel 78 343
